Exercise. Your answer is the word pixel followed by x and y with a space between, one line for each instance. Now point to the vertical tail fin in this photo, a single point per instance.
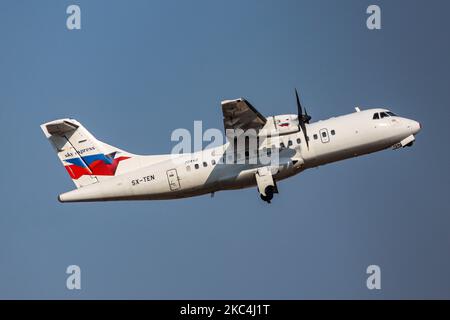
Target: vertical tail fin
pixel 86 159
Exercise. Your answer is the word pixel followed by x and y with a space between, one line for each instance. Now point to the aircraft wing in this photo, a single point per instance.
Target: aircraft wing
pixel 240 114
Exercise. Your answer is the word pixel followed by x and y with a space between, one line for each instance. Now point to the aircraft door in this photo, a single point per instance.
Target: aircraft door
pixel 324 136
pixel 174 180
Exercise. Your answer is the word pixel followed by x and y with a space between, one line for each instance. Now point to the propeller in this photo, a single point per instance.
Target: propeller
pixel 302 118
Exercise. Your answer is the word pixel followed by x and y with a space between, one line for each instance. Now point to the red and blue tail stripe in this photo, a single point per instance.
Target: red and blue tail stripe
pixel 97 165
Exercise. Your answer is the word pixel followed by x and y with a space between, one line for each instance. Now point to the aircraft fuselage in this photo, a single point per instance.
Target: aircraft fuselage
pixel 204 172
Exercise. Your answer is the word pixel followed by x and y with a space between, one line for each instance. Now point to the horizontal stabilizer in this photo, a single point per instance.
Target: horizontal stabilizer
pixel 60 127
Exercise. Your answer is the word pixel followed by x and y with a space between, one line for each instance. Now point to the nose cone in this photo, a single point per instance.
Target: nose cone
pixel 414 126
pixel 417 127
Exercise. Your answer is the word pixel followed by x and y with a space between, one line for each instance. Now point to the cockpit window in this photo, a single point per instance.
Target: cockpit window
pixel 376 116
pixel 391 114
pixel 383 115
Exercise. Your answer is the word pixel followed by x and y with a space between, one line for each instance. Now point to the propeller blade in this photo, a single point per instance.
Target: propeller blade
pixel 301 118
pixel 299 106
pixel 302 125
pixel 306 117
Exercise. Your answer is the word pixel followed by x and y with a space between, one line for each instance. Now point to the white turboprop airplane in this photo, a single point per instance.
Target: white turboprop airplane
pixel 102 172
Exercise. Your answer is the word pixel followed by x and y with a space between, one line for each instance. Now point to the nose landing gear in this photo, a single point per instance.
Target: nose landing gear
pixel 407 142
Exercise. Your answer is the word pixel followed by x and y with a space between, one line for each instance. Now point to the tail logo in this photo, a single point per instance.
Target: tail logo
pixel 97 165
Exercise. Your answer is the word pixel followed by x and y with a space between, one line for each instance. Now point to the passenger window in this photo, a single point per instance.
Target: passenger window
pixel 196 166
pixel 188 168
pixel 213 162
pixel 290 143
pixel 333 132
pixel 269 152
pixel 315 137
pixel 282 145
pixel 299 141
pixel 376 116
pixel 324 134
pixel 205 164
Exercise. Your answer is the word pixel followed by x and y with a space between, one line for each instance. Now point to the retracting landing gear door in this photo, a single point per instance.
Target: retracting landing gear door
pixel 174 181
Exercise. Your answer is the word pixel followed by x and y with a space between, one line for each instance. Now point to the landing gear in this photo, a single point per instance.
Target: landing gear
pixel 266 185
pixel 269 191
pixel 407 142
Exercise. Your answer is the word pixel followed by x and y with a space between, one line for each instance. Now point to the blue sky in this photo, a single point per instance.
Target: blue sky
pixel 137 70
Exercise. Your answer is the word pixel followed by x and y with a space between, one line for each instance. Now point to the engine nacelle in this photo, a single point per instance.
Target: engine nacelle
pixel 280 125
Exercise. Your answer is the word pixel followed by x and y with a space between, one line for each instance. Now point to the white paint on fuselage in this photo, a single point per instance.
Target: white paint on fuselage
pixel 355 134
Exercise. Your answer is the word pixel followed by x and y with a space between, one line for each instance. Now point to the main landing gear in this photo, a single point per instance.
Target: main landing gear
pixel 269 194
pixel 266 184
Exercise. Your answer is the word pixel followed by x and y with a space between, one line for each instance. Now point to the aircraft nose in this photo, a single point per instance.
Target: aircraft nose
pixel 415 126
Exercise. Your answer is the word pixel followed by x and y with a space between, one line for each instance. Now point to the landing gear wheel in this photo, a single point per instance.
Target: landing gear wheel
pixel 269 194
